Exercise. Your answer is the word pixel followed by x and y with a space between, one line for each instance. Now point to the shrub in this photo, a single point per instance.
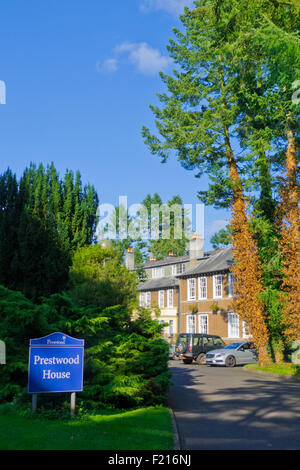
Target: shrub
pixel 126 359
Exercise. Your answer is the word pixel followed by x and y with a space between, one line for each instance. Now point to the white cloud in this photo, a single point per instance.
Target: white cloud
pixel 2 92
pixel 149 61
pixel 109 65
pixel 175 7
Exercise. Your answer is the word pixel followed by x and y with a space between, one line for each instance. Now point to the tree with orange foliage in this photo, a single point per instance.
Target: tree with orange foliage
pixel 289 243
pixel 247 274
pixel 246 270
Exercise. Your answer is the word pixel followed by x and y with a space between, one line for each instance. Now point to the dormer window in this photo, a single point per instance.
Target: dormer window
pixel 157 272
pixel 178 268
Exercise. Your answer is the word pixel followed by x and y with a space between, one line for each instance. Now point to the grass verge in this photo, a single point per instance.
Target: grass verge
pixel 142 429
pixel 279 369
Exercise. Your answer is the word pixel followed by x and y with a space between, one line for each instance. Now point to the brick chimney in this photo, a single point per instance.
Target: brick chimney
pixel 129 259
pixel 196 249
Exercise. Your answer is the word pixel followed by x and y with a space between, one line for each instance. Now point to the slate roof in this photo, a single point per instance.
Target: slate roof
pixel 166 261
pixel 166 282
pixel 218 261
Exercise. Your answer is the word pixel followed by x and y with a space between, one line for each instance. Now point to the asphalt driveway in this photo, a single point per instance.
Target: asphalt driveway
pixel 232 409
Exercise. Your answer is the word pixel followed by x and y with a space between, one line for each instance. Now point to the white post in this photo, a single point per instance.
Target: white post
pixel 73 403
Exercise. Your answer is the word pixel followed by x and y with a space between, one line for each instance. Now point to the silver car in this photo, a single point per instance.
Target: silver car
pixel 232 355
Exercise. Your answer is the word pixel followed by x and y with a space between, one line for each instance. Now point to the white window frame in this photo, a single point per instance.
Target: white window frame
pixel 191 281
pixel 178 268
pixel 142 299
pixel 230 285
pixel 215 285
pixel 201 316
pixel 170 298
pixel 157 272
pixel 161 298
pixel 181 268
pixel 233 328
pixel 191 323
pixel 171 327
pixel 200 288
pixel 148 299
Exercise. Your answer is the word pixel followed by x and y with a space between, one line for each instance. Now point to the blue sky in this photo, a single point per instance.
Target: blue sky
pixel 79 77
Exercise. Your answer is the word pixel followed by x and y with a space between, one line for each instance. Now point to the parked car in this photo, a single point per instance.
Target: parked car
pixel 194 346
pixel 232 355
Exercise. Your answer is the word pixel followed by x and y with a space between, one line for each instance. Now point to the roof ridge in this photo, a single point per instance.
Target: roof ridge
pixel 205 261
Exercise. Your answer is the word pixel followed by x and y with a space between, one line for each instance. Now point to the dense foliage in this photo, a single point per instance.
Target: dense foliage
pixel 125 359
pixel 98 278
pixel 54 278
pixel 42 221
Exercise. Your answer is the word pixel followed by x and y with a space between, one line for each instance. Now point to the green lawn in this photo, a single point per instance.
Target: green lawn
pixel 142 429
pixel 280 369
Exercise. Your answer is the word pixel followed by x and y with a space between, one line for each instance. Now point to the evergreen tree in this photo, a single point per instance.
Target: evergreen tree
pixel 99 279
pixel 42 262
pixel 10 210
pixel 221 238
pixel 66 204
pixel 171 224
pixel 43 219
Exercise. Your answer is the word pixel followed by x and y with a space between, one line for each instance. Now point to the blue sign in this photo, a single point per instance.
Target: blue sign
pixel 55 364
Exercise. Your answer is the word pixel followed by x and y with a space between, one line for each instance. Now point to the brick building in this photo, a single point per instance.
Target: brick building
pixel 193 293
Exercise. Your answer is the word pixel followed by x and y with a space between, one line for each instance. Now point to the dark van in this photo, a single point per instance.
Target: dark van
pixel 194 346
